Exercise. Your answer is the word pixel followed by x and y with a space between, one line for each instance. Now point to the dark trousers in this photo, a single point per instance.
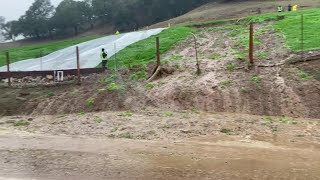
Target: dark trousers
pixel 104 64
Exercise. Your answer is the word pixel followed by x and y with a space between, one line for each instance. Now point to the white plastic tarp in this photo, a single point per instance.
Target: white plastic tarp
pixel 89 53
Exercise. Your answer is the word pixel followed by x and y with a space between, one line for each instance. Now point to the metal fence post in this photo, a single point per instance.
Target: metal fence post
pixel 158 51
pixel 78 65
pixel 8 68
pixel 115 57
pixel 302 38
pixel 251 44
pixel 196 49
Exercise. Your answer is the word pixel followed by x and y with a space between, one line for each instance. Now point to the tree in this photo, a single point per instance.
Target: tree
pixel 11 30
pixel 2 22
pixel 36 19
pixel 71 14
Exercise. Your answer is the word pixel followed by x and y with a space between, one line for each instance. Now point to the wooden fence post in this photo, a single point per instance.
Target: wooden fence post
pixel 8 68
pixel 251 45
pixel 158 51
pixel 78 65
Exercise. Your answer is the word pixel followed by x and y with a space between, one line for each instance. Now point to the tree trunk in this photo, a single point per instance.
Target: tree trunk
pixel 75 30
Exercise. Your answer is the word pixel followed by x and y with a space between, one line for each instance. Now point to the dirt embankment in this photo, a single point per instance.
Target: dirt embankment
pixel 271 87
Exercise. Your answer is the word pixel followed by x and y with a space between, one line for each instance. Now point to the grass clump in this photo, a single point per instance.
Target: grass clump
pixel 268 120
pixel 215 56
pixel 127 135
pixel 168 114
pixel 262 55
pixel 241 56
pixel 115 87
pixel 139 75
pixel 150 86
pixel 50 94
pixel 115 129
pixel 90 102
pixel 21 123
pixel 226 84
pixel 111 78
pixel 126 114
pixel 230 67
pixel 226 131
pixel 256 79
pixel 98 119
pixel 304 76
pixel 284 120
pixel 166 126
pixel 176 57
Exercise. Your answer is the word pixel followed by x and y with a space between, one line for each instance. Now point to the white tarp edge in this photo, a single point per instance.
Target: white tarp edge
pixel 89 53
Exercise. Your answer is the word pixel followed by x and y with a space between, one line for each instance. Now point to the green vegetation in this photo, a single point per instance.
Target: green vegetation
pixel 127 135
pixel 226 84
pixel 215 56
pixel 35 51
pixel 291 27
pixel 110 78
pixel 176 57
pixel 256 79
pixel 115 87
pixel 126 114
pixel 114 129
pixel 284 120
pixel 143 52
pixel 150 86
pixel 195 110
pixel 166 126
pixel 97 119
pixel 268 120
pixel 244 90
pixel 226 131
pixel 90 102
pixel 241 56
pixel 139 75
pixel 304 76
pixel 168 114
pixel 50 94
pixel 230 67
pixel 21 123
pixel 262 54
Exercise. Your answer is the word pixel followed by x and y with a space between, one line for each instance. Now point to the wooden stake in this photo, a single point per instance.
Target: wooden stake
pixel 8 68
pixel 78 65
pixel 251 44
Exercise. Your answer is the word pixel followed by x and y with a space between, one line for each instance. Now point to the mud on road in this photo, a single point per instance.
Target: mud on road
pixel 155 144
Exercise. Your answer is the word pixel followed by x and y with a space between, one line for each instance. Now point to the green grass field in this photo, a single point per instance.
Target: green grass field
pixel 27 52
pixel 291 28
pixel 142 52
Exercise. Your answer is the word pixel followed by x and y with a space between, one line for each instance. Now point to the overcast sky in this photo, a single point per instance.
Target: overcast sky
pixel 13 9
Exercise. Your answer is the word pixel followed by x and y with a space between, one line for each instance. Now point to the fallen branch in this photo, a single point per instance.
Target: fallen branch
pixel 154 74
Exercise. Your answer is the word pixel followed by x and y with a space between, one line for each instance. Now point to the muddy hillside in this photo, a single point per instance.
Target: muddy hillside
pixel 279 83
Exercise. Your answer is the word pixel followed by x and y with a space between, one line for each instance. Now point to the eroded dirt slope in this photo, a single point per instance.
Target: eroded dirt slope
pixel 271 87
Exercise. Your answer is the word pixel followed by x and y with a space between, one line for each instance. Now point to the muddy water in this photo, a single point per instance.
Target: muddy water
pixel 32 156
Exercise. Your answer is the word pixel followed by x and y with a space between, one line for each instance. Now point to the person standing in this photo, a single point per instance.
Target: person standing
pixel 104 58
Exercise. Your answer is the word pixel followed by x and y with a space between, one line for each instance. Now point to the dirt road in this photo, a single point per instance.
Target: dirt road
pixel 255 151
